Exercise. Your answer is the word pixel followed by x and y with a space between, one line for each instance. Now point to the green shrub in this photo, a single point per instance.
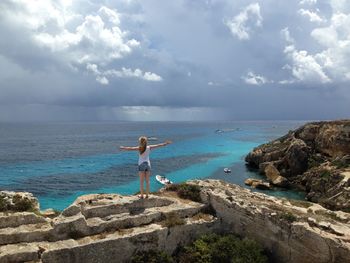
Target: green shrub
pixel 151 256
pixel 186 191
pixel 21 204
pixel 301 203
pixel 213 248
pixel 312 162
pixel 325 174
pixel 288 216
pixel 3 204
pixel 340 163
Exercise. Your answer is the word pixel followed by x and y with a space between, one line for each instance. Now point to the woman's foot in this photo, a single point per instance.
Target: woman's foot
pixel 141 196
pixel 146 196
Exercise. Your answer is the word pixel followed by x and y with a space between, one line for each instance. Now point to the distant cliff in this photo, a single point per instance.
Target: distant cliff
pixel 112 228
pixel 314 157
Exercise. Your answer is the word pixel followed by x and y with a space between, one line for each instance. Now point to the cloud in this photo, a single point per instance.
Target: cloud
pixel 212 83
pixel 163 54
pixel 331 63
pixel 286 81
pixel 304 67
pixel 137 73
pixel 312 16
pixel 97 39
pixel 73 38
pixel 254 79
pixel 101 76
pixel 241 26
pixel 335 39
pixel 103 80
pixel 308 2
pixel 341 6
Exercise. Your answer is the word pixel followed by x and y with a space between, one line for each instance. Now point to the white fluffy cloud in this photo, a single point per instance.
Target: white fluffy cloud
pixel 342 6
pixel 335 39
pixel 78 40
pixel 137 73
pixel 254 79
pixel 307 2
pixel 242 25
pixel 304 66
pixel 98 39
pixel 331 63
pixel 312 16
pixel 102 76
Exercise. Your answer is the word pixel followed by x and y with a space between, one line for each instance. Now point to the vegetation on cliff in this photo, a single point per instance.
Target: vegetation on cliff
pixel 186 191
pixel 17 202
pixel 209 248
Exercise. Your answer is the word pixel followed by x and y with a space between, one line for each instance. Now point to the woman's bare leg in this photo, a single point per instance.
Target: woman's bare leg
pixel 148 174
pixel 142 176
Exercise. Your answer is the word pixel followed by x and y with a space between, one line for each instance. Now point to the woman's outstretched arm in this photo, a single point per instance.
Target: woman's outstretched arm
pixel 160 144
pixel 126 148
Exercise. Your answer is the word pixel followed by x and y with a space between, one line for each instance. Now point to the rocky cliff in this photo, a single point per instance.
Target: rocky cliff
pixel 111 228
pixel 315 158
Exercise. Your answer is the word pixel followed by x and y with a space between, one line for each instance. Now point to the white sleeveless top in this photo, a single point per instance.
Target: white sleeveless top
pixel 145 156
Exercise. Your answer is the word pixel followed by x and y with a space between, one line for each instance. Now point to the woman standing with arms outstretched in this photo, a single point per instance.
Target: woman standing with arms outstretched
pixel 144 161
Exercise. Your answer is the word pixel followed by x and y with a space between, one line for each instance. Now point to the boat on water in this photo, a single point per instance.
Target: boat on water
pixel 151 138
pixel 227 130
pixel 227 170
pixel 163 180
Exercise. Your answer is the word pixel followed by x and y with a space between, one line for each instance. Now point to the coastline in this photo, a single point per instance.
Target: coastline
pixel 102 227
pixel 198 153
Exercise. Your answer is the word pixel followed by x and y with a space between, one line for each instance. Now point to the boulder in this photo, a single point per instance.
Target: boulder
pixel 258 184
pixel 296 157
pixel 273 175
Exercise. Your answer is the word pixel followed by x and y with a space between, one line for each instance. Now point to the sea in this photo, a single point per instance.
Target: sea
pixel 59 161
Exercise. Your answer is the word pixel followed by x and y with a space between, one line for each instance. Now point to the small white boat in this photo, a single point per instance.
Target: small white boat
pixel 227 170
pixel 163 180
pixel 151 138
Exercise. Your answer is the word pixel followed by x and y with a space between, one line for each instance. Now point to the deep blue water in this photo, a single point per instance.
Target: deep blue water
pixel 59 161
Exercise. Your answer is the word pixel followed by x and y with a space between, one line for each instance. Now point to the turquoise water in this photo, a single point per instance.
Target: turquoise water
pixel 82 158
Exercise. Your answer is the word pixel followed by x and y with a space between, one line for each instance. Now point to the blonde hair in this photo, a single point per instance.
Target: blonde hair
pixel 142 144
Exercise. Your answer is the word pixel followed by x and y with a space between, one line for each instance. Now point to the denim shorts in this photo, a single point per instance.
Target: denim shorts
pixel 144 167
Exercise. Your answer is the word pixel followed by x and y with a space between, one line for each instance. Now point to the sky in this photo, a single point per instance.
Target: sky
pixel 172 60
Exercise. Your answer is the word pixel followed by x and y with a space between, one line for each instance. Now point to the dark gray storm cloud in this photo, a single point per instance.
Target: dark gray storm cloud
pixel 164 60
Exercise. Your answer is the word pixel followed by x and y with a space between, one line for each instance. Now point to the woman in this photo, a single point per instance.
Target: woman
pixel 144 161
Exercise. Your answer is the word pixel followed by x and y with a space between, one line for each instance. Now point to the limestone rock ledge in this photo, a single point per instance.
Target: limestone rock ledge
pixel 102 228
pixel 111 227
pixel 291 231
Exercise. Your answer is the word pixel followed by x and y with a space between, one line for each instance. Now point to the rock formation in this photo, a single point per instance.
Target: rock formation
pixel 102 228
pixel 111 227
pixel 314 157
pixel 257 183
pixel 291 231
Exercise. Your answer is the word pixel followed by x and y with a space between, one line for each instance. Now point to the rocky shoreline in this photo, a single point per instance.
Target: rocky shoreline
pixel 314 158
pixel 112 228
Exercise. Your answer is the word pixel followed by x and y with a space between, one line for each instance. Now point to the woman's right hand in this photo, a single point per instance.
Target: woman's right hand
pixel 168 142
